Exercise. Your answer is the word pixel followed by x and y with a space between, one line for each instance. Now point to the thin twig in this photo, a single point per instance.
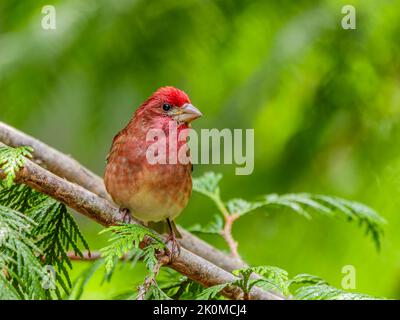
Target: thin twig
pixel 86 256
pixel 150 280
pixel 226 233
pixel 91 256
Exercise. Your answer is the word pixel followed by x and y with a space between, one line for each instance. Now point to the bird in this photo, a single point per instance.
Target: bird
pixel 154 193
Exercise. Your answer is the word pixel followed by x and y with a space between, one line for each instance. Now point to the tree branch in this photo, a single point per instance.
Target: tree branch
pixel 70 169
pixel 87 256
pixel 55 161
pixel 107 214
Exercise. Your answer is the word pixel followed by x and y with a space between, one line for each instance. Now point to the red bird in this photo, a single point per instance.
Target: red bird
pixel 152 192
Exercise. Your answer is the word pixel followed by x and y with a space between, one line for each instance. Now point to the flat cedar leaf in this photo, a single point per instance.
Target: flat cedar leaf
pixel 241 207
pixel 12 160
pixel 156 293
pixel 53 230
pixel 307 201
pixel 327 292
pixel 210 293
pixel 214 227
pixel 270 277
pixel 207 184
pixel 281 201
pixel 57 233
pixel 19 256
pixel 126 237
pixel 176 286
pixel 149 258
pixel 303 203
pixel 307 279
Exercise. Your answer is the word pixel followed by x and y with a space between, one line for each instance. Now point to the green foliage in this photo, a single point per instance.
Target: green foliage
pixel 21 273
pixel 213 227
pixel 12 160
pixel 127 237
pixel 156 293
pixel 268 277
pixel 207 184
pixel 327 292
pixel 300 287
pixel 241 207
pixel 333 207
pixel 307 279
pixel 301 203
pixel 271 278
pixel 55 231
pixel 177 286
pixel 37 232
pixel 211 293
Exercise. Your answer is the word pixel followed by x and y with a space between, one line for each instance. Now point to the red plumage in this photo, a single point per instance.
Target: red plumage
pixel 151 192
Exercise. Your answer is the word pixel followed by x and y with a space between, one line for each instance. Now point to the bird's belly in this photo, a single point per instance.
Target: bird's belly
pixel 152 193
pixel 145 206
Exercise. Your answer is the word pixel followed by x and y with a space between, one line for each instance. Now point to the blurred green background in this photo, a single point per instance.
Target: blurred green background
pixel 324 102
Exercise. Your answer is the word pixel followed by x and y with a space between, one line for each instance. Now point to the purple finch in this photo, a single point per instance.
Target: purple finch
pixel 152 192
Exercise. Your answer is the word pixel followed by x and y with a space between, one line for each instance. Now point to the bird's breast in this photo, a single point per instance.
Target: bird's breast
pixel 152 192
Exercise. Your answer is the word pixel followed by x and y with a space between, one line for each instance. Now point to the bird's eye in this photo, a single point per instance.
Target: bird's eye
pixel 166 107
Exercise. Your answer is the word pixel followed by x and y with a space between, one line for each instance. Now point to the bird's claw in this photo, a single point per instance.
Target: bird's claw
pixel 126 215
pixel 175 249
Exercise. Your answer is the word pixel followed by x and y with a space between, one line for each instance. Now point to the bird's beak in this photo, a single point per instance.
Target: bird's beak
pixel 187 113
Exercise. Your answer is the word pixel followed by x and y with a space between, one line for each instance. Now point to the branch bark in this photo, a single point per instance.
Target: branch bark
pixel 66 167
pixel 107 214
pixel 53 160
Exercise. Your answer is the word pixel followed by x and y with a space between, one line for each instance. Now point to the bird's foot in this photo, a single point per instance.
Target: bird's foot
pixel 126 215
pixel 174 250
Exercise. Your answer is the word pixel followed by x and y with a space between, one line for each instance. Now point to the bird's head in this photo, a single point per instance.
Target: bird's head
pixel 170 103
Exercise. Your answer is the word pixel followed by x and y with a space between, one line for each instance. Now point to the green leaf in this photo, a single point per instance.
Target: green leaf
pixel 241 207
pixel 269 277
pixel 307 279
pixel 57 233
pixel 327 292
pixel 19 257
pixel 54 230
pixel 282 201
pixel 156 293
pixel 207 184
pixel 303 203
pixel 211 293
pixel 127 237
pixel 214 227
pixel 178 287
pixel 12 160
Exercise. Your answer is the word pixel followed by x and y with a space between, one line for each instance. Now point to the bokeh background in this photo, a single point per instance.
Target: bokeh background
pixel 324 103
